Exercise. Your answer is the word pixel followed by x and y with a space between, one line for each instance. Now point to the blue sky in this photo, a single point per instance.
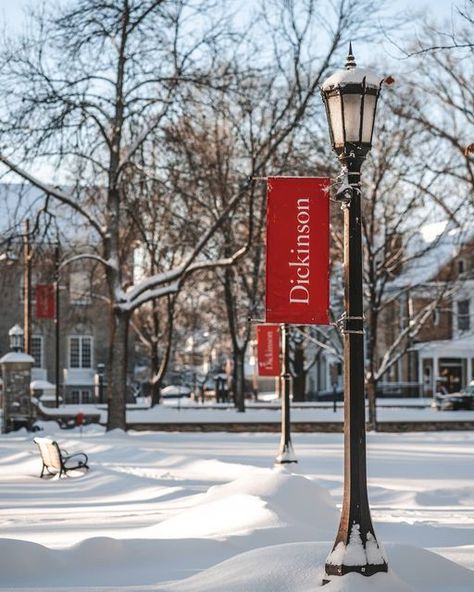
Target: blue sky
pixel 11 11
pixel 12 17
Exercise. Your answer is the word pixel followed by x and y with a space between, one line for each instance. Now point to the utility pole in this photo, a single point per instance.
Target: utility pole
pixel 27 288
pixel 57 358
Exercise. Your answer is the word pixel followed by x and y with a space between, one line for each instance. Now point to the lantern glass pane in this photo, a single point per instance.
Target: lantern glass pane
pixel 352 117
pixel 335 114
pixel 369 117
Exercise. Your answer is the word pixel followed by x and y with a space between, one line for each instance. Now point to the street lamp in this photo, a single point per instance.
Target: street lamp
pixel 350 97
pixel 16 335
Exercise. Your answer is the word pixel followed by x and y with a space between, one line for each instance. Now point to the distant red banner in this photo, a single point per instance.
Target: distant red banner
pixel 297 282
pixel 268 350
pixel 45 301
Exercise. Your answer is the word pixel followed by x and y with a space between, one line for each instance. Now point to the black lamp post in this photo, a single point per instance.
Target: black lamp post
pixel 100 377
pixel 350 97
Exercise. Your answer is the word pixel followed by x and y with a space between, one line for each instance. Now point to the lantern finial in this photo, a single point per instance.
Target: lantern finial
pixel 350 63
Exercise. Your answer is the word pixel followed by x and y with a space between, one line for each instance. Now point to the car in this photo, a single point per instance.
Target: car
pixel 464 399
pixel 175 391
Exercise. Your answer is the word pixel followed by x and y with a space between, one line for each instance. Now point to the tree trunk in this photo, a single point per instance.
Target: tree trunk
pixel 159 368
pixel 155 392
pixel 117 371
pixel 155 385
pixel 239 380
pixel 372 399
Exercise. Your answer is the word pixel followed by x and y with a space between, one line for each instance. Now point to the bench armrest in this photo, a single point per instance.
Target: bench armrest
pixel 80 458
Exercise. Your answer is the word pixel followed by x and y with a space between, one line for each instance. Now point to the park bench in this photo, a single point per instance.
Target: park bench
pixel 57 461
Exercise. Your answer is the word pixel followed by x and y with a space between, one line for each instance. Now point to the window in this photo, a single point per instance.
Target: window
pixel 435 317
pixel 461 266
pixel 80 351
pixel 80 397
pixel 36 348
pixel 464 323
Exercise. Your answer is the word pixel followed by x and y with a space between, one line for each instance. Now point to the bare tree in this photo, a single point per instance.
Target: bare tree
pixel 441 106
pixel 273 125
pixel 88 89
pixel 394 211
pixel 96 89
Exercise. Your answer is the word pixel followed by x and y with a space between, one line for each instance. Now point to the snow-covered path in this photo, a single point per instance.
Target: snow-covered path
pixel 193 512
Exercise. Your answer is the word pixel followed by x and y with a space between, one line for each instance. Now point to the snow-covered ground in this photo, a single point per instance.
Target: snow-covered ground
pixel 179 512
pixel 188 411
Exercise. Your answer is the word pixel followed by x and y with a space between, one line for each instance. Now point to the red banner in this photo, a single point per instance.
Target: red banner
pixel 268 350
pixel 297 282
pixel 45 301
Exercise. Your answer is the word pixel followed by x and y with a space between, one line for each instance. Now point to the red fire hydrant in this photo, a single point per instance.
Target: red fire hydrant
pixel 80 420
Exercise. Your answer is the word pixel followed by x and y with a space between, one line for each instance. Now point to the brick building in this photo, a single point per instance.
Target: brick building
pixel 83 325
pixel 441 281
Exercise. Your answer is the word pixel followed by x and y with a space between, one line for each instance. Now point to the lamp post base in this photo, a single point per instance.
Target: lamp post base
pixel 286 455
pixel 365 559
pixel 364 570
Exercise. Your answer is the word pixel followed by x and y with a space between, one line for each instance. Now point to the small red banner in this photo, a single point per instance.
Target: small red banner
pixel 268 350
pixel 297 275
pixel 45 301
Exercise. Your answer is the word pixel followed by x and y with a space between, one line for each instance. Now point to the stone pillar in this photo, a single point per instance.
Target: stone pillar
pixel 16 367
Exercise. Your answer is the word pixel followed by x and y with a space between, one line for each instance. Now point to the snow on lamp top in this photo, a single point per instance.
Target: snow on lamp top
pixel 352 75
pixel 16 335
pixel 350 97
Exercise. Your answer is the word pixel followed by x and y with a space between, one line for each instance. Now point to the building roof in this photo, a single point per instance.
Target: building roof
pixel 460 347
pixel 433 247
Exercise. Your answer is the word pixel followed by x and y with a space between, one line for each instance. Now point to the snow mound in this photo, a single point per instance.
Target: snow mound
pixel 102 561
pixel 293 567
pixel 266 499
pixel 293 498
pixel 299 567
pixel 460 496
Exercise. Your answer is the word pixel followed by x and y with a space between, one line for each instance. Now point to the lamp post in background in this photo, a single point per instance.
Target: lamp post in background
pixel 285 453
pixel 100 382
pixel 350 97
pixel 57 331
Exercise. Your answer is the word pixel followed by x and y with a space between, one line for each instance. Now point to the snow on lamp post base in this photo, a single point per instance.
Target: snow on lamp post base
pixel 365 557
pixel 350 97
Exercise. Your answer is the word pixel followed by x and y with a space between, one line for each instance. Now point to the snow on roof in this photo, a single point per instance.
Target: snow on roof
pixel 434 246
pixel 430 232
pixel 447 347
pixel 41 385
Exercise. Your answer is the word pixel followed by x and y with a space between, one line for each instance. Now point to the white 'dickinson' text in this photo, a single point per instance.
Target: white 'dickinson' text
pixel 299 256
